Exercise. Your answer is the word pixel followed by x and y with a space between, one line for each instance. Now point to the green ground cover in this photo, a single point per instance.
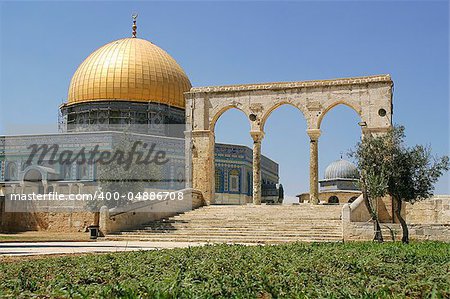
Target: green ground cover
pixel 327 270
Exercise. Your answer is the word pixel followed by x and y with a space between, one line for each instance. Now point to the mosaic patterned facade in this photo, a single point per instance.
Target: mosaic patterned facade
pixel 18 172
pixel 233 164
pixel 233 175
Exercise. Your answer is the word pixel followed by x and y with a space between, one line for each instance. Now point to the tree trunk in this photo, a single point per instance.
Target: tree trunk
pixel 378 235
pixel 398 213
pixel 377 228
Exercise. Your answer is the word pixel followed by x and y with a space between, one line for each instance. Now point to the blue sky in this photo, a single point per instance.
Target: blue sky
pixel 217 43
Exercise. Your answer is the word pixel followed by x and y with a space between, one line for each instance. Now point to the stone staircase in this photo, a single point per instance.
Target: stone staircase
pixel 267 224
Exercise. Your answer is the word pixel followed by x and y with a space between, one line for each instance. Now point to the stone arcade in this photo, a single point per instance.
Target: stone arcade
pixel 370 97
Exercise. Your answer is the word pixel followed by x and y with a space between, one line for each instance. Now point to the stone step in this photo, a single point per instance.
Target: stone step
pixel 253 219
pixel 296 210
pixel 228 234
pixel 221 239
pixel 237 226
pixel 253 210
pixel 244 224
pixel 256 212
pixel 240 227
pixel 257 219
pixel 233 234
pixel 262 232
pixel 273 207
pixel 246 220
pixel 238 209
pixel 256 215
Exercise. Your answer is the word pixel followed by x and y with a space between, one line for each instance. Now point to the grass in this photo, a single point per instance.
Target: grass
pixel 327 270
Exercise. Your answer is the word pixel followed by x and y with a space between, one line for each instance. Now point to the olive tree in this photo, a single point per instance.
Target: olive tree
pixel 389 167
pixel 371 160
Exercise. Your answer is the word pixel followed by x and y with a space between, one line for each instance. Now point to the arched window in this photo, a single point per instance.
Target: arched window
pixel 218 181
pixel 11 173
pixel 234 180
pixel 333 199
pixel 82 171
pixel 66 171
pixel 352 199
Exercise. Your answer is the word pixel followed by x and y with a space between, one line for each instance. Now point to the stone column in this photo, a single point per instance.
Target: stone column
pixel 257 138
pixel 70 188
pixel 45 185
pixel 80 188
pixel 314 135
pixel 55 188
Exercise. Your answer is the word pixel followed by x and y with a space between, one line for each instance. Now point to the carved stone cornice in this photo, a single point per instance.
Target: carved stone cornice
pixel 289 85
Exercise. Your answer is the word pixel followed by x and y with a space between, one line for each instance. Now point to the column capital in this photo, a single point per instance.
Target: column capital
pixel 314 134
pixel 375 130
pixel 200 133
pixel 257 135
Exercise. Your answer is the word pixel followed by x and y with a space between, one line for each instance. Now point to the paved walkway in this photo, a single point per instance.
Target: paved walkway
pixel 42 248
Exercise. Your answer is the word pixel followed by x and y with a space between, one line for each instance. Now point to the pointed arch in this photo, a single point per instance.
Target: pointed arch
pixel 218 114
pixel 275 107
pixel 333 105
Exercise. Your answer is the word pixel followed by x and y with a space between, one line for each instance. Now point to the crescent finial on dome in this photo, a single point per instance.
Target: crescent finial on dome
pixel 134 16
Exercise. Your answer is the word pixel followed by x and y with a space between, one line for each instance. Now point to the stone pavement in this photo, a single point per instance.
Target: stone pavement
pixel 46 248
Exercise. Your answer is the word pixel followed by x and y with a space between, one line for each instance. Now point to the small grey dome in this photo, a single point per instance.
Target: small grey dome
pixel 341 169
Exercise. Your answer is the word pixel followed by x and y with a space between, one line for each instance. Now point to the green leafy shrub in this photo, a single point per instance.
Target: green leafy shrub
pixel 325 270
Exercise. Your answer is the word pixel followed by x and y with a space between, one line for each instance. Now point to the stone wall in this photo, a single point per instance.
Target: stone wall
pixel 78 219
pixel 42 221
pixel 343 196
pixel 359 212
pixel 231 199
pixel 435 210
pixel 41 215
pixel 364 231
pixel 427 220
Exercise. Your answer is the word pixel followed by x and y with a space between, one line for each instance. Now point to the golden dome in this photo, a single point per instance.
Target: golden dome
pixel 130 69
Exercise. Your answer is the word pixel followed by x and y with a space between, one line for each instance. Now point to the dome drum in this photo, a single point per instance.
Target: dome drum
pixel 340 175
pixel 112 115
